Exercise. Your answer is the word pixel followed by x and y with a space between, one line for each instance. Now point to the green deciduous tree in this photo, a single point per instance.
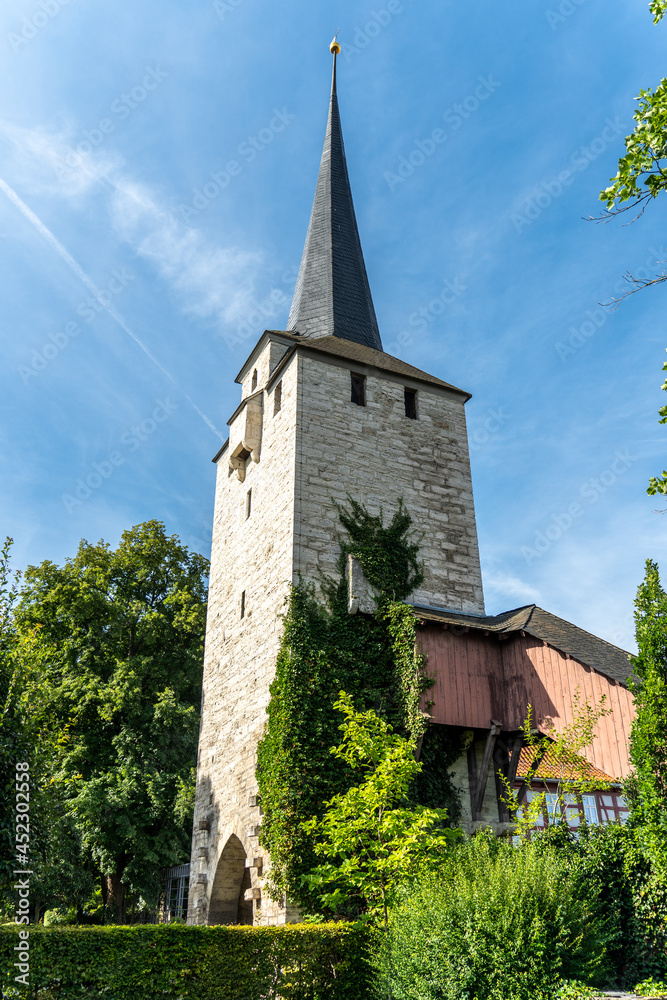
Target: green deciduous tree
pixel 373 841
pixel 658 484
pixel 642 170
pixel 119 636
pixel 648 737
pixel 32 736
pixel 642 176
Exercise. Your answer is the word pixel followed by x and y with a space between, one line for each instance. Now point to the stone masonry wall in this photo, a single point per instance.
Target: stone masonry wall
pixel 377 455
pixel 251 554
pixel 319 447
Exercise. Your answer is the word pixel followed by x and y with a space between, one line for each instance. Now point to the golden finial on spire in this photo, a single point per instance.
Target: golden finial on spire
pixel 334 48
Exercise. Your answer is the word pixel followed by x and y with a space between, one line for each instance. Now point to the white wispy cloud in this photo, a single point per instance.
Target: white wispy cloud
pixel 212 282
pixel 504 585
pixel 208 281
pixel 47 161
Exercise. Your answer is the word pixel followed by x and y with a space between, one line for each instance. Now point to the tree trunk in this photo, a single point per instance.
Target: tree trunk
pixel 115 897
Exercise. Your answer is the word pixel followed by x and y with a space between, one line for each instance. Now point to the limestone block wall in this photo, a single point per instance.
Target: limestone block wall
pixel 251 564
pixel 377 454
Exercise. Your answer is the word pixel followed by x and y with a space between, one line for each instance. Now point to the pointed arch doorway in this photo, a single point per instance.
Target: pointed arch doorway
pixel 232 878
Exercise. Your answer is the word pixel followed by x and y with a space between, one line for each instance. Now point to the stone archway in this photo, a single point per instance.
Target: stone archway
pixel 232 878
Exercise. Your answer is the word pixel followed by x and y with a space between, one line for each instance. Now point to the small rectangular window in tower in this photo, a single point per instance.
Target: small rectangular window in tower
pixel 243 604
pixel 248 504
pixel 358 395
pixel 277 397
pixel 411 403
pixel 254 381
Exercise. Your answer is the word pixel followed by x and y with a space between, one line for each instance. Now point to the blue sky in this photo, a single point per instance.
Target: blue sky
pixel 165 155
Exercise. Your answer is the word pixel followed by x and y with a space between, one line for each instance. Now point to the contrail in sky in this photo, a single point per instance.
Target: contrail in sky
pixel 92 287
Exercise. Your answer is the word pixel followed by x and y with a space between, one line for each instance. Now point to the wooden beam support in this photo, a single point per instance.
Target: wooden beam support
pixel 517 744
pixel 484 771
pixel 472 778
pixel 508 766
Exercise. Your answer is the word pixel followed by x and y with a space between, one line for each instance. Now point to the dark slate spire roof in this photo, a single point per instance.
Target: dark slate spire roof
pixel 332 295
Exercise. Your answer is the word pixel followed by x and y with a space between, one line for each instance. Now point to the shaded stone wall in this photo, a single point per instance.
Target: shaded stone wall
pixel 251 555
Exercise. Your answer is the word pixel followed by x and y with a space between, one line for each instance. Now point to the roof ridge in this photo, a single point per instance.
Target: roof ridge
pixel 592 635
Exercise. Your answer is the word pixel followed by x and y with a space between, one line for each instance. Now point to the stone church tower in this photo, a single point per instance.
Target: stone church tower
pixel 324 412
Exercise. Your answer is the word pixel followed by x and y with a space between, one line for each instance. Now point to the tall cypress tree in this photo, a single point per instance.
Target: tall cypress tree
pixel 647 788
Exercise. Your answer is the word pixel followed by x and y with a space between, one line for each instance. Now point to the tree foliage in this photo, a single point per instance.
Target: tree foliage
pixel 648 737
pixel 494 921
pixel 374 842
pixel 642 171
pixel 119 638
pixel 658 484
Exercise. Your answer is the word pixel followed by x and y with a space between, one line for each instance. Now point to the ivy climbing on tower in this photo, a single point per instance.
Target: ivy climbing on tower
pixel 375 659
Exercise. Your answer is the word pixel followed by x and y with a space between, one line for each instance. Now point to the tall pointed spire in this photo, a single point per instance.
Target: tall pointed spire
pixel 332 295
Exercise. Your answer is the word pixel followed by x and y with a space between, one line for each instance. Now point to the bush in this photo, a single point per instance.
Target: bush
pixel 495 921
pixel 617 870
pixel 296 962
pixel 649 988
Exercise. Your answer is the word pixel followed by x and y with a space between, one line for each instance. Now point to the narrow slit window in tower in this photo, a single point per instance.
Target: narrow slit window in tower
pixel 248 504
pixel 254 381
pixel 277 397
pixel 358 389
pixel 411 403
pixel 243 604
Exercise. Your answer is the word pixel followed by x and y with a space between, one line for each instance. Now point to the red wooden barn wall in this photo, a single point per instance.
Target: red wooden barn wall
pixel 478 678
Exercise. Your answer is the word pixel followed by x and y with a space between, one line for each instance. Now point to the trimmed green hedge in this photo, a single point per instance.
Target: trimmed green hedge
pixel 294 962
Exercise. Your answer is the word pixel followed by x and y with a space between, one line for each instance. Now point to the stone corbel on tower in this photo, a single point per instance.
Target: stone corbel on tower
pixel 245 434
pixel 361 595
